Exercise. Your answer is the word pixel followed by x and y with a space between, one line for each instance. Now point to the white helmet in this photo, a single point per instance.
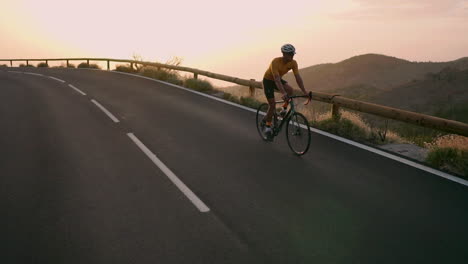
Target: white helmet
pixel 288 48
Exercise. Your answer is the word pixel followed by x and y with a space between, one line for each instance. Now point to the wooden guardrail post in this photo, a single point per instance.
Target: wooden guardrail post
pixel 108 65
pixel 27 63
pixel 47 63
pixel 68 63
pixel 195 75
pixel 87 62
pixel 252 87
pixel 11 63
pixel 335 112
pixel 131 66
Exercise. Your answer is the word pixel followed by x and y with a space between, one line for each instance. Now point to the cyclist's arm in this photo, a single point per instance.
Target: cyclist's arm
pixel 300 82
pixel 298 77
pixel 279 84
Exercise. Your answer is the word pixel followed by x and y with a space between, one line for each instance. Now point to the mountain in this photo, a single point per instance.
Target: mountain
pixel 370 70
pixel 443 94
pixel 435 88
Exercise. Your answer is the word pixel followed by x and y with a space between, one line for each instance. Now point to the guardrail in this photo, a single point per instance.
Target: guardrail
pixel 336 100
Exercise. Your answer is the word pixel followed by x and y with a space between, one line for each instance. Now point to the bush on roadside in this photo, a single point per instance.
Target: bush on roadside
pixel 88 66
pixel 3 66
pixel 230 97
pixel 198 85
pixel 71 65
pixel 125 68
pixel 175 81
pixel 42 65
pixel 160 74
pixel 250 102
pixel 343 127
pixel 450 159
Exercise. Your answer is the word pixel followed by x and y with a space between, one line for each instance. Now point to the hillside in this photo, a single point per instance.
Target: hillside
pixel 435 88
pixel 443 94
pixel 372 70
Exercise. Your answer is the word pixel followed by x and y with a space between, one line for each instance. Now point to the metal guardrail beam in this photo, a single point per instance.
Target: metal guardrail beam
pixel 441 124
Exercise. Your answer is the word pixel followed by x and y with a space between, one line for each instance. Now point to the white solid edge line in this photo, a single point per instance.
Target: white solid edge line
pixel 76 89
pixel 192 91
pixel 344 140
pixel 32 73
pixel 177 182
pixel 393 157
pixel 109 114
pixel 57 79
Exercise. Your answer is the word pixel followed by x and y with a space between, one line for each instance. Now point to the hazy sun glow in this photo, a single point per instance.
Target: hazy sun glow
pixel 236 38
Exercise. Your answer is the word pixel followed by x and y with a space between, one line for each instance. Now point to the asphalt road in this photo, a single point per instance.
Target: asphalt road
pixel 75 188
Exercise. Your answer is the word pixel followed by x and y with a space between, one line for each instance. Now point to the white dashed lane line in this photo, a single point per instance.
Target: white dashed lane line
pixel 177 182
pixel 57 79
pixel 109 114
pixel 32 73
pixel 76 89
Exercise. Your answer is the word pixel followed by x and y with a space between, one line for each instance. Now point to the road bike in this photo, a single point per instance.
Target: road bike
pixel 297 128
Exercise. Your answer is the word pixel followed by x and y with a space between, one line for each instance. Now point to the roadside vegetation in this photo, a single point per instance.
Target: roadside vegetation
pixel 444 154
pixel 24 65
pixel 42 65
pixel 449 152
pixel 88 66
pixel 64 65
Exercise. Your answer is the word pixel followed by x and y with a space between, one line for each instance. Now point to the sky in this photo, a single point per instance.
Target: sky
pixel 237 38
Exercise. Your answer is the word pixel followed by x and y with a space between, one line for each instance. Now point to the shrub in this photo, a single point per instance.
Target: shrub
pixel 175 81
pixel 22 65
pixel 449 141
pixel 451 159
pixel 88 66
pixel 343 127
pixel 198 85
pixel 125 68
pixel 160 74
pixel 250 102
pixel 71 65
pixel 230 97
pixel 3 66
pixel 42 65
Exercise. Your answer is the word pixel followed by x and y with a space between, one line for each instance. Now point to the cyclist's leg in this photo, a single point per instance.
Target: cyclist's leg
pixel 271 109
pixel 288 89
pixel 269 89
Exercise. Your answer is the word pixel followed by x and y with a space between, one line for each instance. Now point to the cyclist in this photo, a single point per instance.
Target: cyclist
pixel 272 81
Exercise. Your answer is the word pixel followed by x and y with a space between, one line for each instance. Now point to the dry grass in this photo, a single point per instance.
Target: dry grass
pixel 243 91
pixel 449 141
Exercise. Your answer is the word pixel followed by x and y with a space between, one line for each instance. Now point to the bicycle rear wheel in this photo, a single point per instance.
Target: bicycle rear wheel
pixel 261 112
pixel 298 134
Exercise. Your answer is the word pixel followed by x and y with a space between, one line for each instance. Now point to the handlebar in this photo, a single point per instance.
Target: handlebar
pixel 309 96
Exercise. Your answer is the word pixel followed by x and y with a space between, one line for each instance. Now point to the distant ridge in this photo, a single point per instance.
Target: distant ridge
pixel 372 70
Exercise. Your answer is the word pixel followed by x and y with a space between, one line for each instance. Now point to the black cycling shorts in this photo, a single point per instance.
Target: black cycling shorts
pixel 269 87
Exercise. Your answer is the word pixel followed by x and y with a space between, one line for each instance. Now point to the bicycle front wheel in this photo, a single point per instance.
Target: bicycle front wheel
pixel 261 112
pixel 298 134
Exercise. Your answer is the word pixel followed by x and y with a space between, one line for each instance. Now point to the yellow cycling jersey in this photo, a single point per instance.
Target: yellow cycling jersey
pixel 278 67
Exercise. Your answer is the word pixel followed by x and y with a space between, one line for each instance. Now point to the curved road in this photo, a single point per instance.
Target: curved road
pixel 169 176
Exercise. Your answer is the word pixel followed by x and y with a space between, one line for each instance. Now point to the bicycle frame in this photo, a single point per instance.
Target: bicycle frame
pixel 291 111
